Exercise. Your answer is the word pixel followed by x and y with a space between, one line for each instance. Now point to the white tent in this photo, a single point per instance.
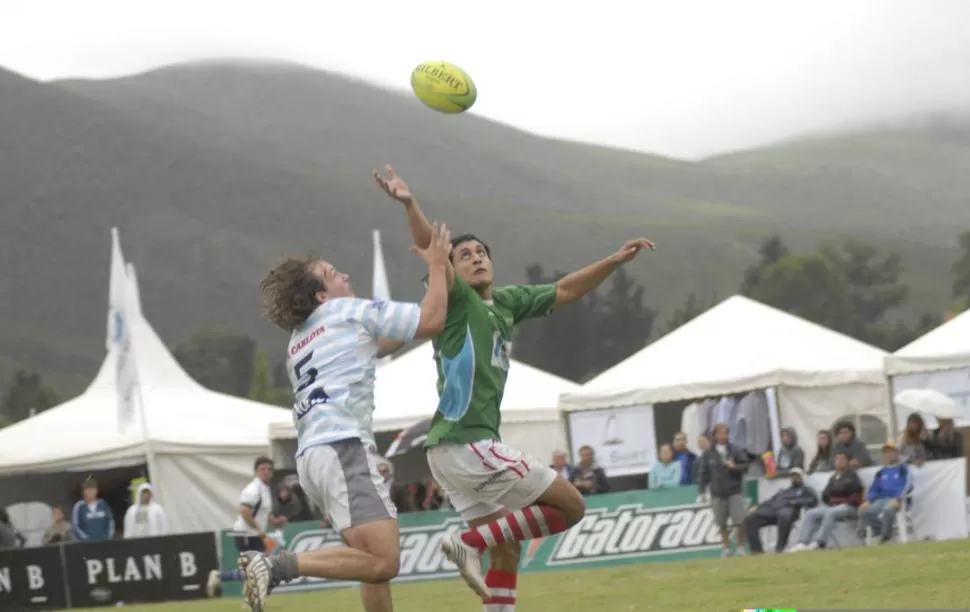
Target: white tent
pixel 405 393
pixel 741 345
pixel 945 348
pixel 939 360
pixel 199 445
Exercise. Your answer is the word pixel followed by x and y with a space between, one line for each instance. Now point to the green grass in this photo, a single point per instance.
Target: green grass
pixel 918 576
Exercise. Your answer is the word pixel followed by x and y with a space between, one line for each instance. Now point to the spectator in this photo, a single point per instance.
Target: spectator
pixel 822 462
pixel 913 444
pixel 588 477
pixel 854 448
pixel 841 498
pixel 946 442
pixel 685 458
pixel 667 471
pixel 560 463
pixel 91 519
pixel 60 530
pixel 790 456
pixel 287 507
pixel 9 536
pixel 145 518
pixel 255 506
pixel 401 496
pixel 780 509
pixel 703 443
pixel 884 498
pixel 721 474
pixel 434 497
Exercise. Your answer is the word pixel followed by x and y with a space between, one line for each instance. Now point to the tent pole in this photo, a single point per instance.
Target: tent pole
pixel 153 474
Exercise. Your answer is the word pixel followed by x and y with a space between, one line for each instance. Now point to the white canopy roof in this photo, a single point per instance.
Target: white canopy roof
pixel 945 348
pixel 738 345
pixel 181 416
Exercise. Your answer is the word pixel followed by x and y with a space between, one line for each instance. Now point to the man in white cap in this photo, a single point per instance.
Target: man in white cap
pixel 781 509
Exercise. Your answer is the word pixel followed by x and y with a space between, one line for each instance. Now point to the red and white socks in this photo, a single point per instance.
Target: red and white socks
pixel 528 523
pixel 502 586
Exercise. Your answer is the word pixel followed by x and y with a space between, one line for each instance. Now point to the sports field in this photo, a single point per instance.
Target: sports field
pixel 919 575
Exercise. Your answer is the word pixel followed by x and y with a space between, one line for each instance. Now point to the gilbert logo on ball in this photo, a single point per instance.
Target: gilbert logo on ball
pixel 443 87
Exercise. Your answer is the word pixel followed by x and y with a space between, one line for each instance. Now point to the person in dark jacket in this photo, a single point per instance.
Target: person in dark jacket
pixel 684 457
pixel 946 442
pixel 703 443
pixel 790 456
pixel 588 477
pixel 91 518
pixel 721 475
pixel 780 509
pixel 9 536
pixel 846 441
pixel 840 498
pixel 822 461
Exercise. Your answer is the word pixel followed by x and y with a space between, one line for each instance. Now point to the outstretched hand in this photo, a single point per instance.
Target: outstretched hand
pixel 439 250
pixel 631 248
pixel 393 185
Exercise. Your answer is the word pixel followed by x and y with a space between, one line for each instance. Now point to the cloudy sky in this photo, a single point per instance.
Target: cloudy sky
pixel 681 77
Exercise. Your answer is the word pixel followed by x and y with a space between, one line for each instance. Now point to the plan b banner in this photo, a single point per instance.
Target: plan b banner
pixel 32 579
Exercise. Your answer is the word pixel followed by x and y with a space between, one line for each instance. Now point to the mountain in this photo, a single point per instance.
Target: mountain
pixel 211 170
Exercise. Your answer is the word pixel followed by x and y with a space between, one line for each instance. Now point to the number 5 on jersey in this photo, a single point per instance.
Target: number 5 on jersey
pixel 307 378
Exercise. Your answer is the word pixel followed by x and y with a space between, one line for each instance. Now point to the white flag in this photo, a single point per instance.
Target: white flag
pixel 380 290
pixel 119 338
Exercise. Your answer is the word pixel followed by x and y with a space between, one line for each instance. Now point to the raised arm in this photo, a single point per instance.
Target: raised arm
pixel 421 228
pixel 577 284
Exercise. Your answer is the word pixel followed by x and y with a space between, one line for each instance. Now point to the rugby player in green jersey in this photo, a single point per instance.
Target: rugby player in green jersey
pixel 505 495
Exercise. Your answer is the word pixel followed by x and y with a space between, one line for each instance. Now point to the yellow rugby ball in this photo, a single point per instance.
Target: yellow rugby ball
pixel 443 87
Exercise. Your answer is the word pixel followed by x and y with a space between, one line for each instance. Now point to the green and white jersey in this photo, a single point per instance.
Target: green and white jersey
pixel 472 355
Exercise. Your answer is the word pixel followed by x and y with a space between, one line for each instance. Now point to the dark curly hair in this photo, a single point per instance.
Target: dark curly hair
pixel 289 291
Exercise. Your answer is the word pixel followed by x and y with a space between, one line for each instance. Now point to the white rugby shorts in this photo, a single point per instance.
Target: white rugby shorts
pixel 342 479
pixel 484 477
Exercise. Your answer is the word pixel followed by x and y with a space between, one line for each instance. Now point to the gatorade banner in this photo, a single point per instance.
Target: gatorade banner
pixel 619 528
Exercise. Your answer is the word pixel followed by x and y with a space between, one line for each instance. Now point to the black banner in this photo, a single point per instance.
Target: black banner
pixel 32 579
pixel 165 568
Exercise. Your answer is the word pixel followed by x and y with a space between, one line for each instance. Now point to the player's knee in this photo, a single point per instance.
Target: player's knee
pixel 386 569
pixel 575 510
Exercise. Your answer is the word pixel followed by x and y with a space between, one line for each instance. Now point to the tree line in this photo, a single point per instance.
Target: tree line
pixel 850 286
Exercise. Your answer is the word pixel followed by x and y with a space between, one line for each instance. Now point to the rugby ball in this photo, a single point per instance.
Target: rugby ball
pixel 443 87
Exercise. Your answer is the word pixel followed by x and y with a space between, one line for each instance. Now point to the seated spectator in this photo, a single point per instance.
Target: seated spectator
pixel 840 498
pixel 721 475
pixel 850 444
pixel 946 442
pixel 433 498
pixel 913 444
pixel 91 519
pixel 703 443
pixel 667 471
pixel 60 530
pixel 287 507
pixel 684 457
pixel 560 463
pixel 401 495
pixel 790 456
pixel 588 477
pixel 780 509
pixel 9 536
pixel 145 518
pixel 822 461
pixel 893 482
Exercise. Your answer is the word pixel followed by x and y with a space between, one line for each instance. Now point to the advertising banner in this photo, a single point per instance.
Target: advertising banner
pixel 619 528
pixel 166 568
pixel 32 579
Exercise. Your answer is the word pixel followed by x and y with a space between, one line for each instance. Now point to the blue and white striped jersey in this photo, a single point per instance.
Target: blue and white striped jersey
pixel 331 360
